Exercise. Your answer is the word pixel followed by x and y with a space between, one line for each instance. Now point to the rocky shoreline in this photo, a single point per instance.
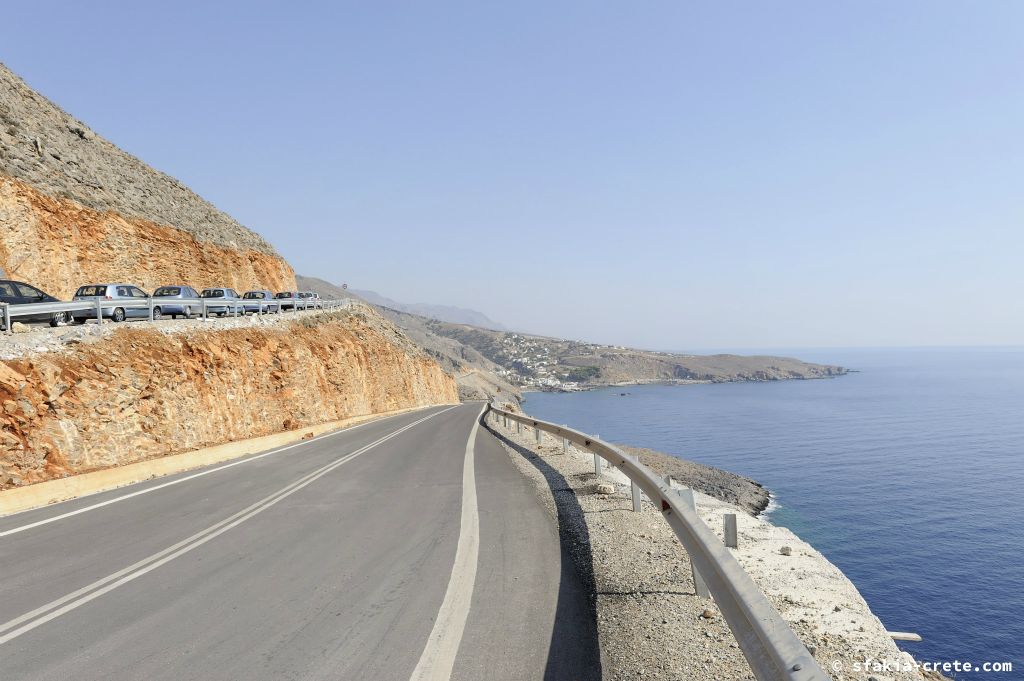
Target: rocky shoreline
pixel 651 625
pixel 731 488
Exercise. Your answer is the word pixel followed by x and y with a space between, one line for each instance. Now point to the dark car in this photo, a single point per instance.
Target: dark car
pixel 20 293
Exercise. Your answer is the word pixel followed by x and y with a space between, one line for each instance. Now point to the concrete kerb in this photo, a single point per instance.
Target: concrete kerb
pixel 64 489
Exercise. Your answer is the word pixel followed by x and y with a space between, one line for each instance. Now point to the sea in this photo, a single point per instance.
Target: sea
pixel 908 474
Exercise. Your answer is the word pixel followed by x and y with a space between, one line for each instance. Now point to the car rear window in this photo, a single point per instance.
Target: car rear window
pixel 92 291
pixel 254 295
pixel 213 293
pixel 167 291
pixel 284 294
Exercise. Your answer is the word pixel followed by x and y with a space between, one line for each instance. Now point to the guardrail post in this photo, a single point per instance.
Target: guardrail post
pixel 565 445
pixel 539 435
pixel 700 587
pixel 597 464
pixel 99 311
pixel 6 309
pixel 731 539
pixel 519 428
pixel 150 299
pixel 204 310
pixel 635 492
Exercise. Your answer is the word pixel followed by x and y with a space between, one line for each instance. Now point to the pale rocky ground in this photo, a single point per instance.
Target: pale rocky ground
pixel 651 625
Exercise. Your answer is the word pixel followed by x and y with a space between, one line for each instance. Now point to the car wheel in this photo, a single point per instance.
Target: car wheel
pixel 188 313
pixel 157 313
pixel 118 314
pixel 58 319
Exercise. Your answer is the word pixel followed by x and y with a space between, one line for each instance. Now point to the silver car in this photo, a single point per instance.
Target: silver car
pixel 113 293
pixel 308 300
pixel 260 302
pixel 228 296
pixel 169 294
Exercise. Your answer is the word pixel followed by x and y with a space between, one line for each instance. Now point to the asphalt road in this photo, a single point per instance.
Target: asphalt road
pixel 359 555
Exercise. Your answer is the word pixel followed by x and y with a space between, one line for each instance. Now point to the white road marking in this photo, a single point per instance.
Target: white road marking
pixel 71 601
pixel 154 488
pixel 438 657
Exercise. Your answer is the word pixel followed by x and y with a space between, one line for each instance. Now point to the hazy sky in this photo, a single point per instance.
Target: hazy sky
pixel 663 174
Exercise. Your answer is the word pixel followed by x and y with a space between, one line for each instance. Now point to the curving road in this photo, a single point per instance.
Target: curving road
pixel 406 548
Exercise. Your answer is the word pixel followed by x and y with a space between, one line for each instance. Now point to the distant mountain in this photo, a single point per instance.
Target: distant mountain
pixel 444 313
pixel 325 288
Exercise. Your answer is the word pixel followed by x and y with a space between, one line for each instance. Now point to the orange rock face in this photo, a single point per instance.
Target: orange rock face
pixel 142 393
pixel 59 245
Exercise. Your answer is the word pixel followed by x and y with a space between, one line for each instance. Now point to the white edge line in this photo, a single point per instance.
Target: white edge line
pixel 154 561
pixel 438 657
pixel 200 474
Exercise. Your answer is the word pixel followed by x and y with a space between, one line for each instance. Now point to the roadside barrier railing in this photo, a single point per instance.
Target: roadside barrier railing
pixel 773 651
pixel 202 306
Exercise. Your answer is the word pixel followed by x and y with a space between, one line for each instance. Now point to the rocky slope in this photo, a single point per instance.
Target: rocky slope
pixel 118 395
pixel 74 208
pixel 476 375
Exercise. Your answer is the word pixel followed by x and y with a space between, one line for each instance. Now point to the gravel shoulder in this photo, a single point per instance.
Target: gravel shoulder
pixel 650 622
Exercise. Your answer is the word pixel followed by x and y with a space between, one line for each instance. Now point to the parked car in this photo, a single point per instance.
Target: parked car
pixel 167 294
pixel 20 293
pixel 126 293
pixel 257 302
pixel 228 296
pixel 309 300
pixel 288 299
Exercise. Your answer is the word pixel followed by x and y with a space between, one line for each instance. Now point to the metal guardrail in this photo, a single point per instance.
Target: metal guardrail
pixel 773 651
pixel 9 313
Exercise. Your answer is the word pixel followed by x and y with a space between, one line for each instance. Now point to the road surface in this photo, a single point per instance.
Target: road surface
pixel 405 548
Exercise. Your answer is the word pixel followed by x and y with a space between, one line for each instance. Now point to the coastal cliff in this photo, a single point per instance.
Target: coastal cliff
pixel 501 364
pixel 111 397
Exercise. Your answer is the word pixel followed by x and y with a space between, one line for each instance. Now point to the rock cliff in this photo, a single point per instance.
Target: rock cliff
pixel 74 208
pixel 149 390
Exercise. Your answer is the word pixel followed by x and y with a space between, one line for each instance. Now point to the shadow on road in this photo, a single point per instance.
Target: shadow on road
pixel 575 652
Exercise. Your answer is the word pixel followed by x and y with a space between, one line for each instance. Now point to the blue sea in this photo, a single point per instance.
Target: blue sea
pixel 908 475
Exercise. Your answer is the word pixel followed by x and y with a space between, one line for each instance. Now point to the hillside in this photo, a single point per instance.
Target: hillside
pixel 74 208
pixel 490 363
pixel 538 362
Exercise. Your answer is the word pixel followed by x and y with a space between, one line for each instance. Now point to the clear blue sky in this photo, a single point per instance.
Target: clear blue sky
pixel 662 174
